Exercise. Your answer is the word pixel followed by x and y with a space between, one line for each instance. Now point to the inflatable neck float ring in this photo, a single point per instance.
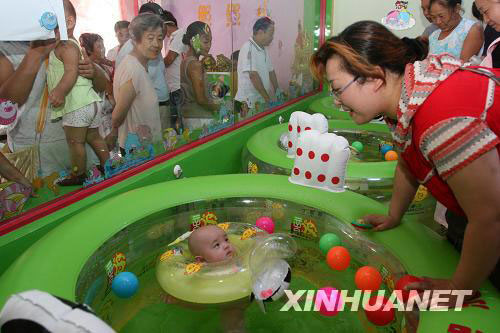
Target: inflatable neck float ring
pixel 192 280
pixel 189 279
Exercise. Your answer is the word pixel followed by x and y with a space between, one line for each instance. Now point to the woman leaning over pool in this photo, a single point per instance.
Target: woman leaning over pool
pixel 446 121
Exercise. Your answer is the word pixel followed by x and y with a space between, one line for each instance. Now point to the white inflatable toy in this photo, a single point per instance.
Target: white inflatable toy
pixel 301 122
pixel 27 20
pixel 321 161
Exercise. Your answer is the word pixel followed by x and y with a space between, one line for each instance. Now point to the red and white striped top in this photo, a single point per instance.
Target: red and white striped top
pixel 458 121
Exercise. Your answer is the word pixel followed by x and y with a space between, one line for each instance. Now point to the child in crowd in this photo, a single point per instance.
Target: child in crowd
pixel 210 244
pixel 94 46
pixel 72 98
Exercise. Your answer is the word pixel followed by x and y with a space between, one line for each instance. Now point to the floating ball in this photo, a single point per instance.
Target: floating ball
pixel 385 148
pixel 338 258
pixel 403 282
pixel 358 146
pixel 380 317
pixel 327 241
pixel 125 285
pixel 368 278
pixel 332 298
pixel 265 223
pixel 391 155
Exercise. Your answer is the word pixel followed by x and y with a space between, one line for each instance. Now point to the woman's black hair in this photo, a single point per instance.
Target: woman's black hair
pixel 447 3
pixel 363 46
pixel 194 29
pixel 476 13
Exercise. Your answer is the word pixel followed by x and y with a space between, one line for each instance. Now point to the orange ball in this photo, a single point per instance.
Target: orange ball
pixel 391 155
pixel 338 258
pixel 368 278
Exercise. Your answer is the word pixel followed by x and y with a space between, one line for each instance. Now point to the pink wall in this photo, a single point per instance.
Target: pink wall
pixel 286 14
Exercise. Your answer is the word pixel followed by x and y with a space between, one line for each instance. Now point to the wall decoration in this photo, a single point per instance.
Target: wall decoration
pixel 232 14
pixel 262 9
pixel 399 18
pixel 204 14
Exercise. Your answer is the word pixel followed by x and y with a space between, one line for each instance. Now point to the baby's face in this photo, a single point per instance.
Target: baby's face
pixel 213 244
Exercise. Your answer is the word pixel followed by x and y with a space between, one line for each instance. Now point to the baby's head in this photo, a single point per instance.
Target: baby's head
pixel 70 18
pixel 211 243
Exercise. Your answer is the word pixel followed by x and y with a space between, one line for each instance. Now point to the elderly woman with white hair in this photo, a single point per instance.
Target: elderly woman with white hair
pixel 136 99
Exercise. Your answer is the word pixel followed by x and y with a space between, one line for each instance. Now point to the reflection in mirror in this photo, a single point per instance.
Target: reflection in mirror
pixel 274 48
pixel 205 70
pixel 161 85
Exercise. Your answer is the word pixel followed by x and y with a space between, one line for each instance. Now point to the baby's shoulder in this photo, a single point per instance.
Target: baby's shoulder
pixel 66 49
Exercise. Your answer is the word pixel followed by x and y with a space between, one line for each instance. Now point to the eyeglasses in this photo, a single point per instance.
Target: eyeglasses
pixel 339 92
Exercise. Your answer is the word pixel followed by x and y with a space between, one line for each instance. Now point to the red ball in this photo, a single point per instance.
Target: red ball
pixel 380 317
pixel 338 258
pixel 368 278
pixel 403 282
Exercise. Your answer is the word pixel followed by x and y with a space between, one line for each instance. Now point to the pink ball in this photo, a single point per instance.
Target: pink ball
pixel 330 296
pixel 265 223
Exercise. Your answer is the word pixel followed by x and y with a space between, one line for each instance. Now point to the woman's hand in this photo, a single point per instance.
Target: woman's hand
pixel 86 66
pixel 381 222
pixel 111 140
pixel 42 48
pixel 450 300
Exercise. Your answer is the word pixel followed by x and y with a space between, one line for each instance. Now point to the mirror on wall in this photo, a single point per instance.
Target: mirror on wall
pixel 221 63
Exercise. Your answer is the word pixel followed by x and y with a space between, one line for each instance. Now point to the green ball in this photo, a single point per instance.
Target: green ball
pixel 327 241
pixel 358 146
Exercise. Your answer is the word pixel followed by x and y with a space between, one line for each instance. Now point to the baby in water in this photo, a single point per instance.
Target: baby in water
pixel 210 244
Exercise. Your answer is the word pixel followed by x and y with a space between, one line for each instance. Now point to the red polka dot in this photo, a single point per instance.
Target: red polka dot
pixel 290 128
pixel 335 180
pixel 311 155
pixel 321 178
pixel 308 175
pixel 298 129
pixel 307 129
pixel 299 152
pixel 296 171
pixel 325 157
pixel 290 144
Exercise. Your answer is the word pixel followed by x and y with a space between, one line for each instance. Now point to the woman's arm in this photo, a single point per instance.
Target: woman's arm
pixel 404 189
pixel 124 98
pixel 195 73
pixel 472 43
pixel 16 85
pixel 477 189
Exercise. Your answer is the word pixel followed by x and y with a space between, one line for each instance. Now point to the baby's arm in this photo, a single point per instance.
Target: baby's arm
pixel 70 56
